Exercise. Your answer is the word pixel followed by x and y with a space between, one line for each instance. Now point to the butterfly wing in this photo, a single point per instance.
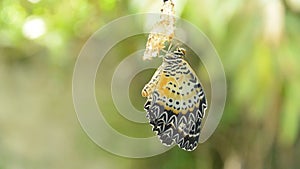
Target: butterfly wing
pixel 176 106
pixel 193 106
pixel 160 107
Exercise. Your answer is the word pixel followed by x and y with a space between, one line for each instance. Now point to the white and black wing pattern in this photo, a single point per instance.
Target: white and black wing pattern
pixel 176 105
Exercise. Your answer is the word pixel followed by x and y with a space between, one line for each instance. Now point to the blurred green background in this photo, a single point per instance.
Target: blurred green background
pixel 258 43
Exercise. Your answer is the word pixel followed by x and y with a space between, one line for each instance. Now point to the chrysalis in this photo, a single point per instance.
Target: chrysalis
pixel 162 32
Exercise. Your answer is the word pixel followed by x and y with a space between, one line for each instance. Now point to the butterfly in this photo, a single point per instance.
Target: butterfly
pixel 176 102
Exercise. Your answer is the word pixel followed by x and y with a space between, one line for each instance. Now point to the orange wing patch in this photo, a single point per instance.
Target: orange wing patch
pixel 167 87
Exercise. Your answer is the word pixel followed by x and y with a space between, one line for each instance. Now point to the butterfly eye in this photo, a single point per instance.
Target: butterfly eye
pixel 182 51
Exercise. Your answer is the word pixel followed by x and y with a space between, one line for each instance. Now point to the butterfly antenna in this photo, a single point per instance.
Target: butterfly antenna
pixel 176 46
pixel 169 48
pixel 173 47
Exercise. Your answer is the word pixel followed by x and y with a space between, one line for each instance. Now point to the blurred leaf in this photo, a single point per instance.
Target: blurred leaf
pixel 107 5
pixel 290 114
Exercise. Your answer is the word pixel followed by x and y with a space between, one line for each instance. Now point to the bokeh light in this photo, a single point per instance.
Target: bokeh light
pixel 34 27
pixel 34 1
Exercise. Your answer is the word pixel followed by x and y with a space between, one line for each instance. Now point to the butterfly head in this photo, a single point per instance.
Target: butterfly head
pixel 179 53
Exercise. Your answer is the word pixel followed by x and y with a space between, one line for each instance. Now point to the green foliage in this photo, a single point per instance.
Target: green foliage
pixel 38 125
